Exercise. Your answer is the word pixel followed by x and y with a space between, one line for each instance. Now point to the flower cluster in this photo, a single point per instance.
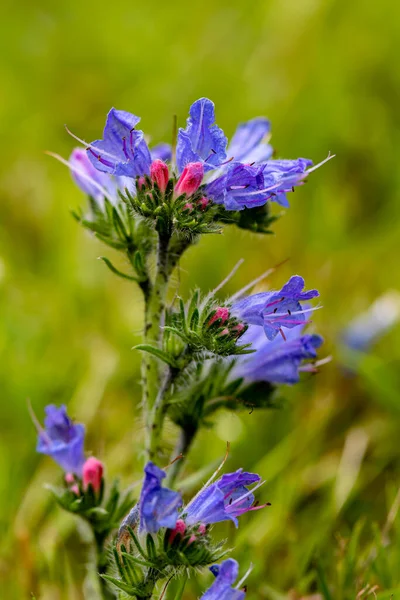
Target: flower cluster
pixel 237 176
pixel 200 354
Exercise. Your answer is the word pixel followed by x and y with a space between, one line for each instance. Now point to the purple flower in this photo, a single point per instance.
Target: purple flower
pixel 158 506
pixel 92 182
pixel 274 310
pixel 224 500
pixel 276 361
pixel 123 151
pixel 226 574
pixel 244 186
pixel 62 440
pixel 249 142
pixel 201 141
pixel 236 185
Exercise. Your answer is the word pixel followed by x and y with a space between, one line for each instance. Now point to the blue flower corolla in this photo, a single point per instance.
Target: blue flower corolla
pixel 242 186
pixel 158 506
pixel 62 440
pixel 236 184
pixel 225 576
pixel 224 500
pixel 123 149
pixel 277 361
pixel 92 182
pixel 276 309
pixel 202 140
pixel 249 142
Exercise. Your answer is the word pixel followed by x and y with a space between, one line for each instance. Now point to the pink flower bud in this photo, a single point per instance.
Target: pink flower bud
pixel 188 206
pixel 192 539
pixel 75 489
pixel 203 203
pixel 159 174
pixel 202 529
pixel 180 529
pixel 190 180
pixel 141 182
pixel 224 332
pixel 238 329
pixel 92 473
pixel 69 478
pixel 221 313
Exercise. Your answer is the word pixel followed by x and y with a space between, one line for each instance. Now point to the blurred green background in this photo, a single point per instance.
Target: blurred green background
pixel 326 74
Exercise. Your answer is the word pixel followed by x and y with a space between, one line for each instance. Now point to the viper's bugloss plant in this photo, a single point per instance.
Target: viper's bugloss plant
pixel 199 354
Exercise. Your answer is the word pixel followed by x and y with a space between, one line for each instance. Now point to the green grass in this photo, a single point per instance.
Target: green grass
pixel 326 74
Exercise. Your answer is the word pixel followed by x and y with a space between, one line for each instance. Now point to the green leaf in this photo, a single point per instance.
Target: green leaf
pixel 128 589
pixel 169 360
pixel 116 271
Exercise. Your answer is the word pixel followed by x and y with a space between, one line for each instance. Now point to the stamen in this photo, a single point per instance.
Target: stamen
pixel 213 476
pixel 41 431
pixel 245 576
pixel 329 157
pixel 255 281
pixel 83 175
pixel 124 148
pixel 228 277
pixel 282 334
pixel 115 158
pixel 247 494
pixel 294 312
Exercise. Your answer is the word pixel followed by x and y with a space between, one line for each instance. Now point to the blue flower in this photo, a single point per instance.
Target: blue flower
pixel 90 180
pixel 123 151
pixel 201 141
pixel 158 506
pixel 274 310
pixel 238 187
pixel 242 186
pixel 224 500
pixel 226 574
pixel 276 361
pixel 249 142
pixel 62 440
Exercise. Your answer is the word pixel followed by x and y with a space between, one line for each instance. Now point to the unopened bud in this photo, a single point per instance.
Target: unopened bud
pixel 221 313
pixel 92 473
pixel 75 489
pixel 141 182
pixel 69 478
pixel 238 329
pixel 202 529
pixel 159 174
pixel 180 529
pixel 188 206
pixel 190 180
pixel 192 539
pixel 203 203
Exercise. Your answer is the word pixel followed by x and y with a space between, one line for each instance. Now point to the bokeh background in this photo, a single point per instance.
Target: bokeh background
pixel 326 73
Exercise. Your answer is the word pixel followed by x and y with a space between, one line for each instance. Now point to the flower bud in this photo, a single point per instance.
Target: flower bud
pixel 69 478
pixel 221 313
pixel 203 203
pixel 75 489
pixel 180 529
pixel 202 529
pixel 92 473
pixel 190 180
pixel 159 174
pixel 188 206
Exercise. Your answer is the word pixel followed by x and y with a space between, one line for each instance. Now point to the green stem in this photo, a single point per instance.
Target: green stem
pixel 183 445
pixel 154 312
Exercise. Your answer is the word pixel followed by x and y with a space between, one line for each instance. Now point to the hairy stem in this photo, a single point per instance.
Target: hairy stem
pixel 154 313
